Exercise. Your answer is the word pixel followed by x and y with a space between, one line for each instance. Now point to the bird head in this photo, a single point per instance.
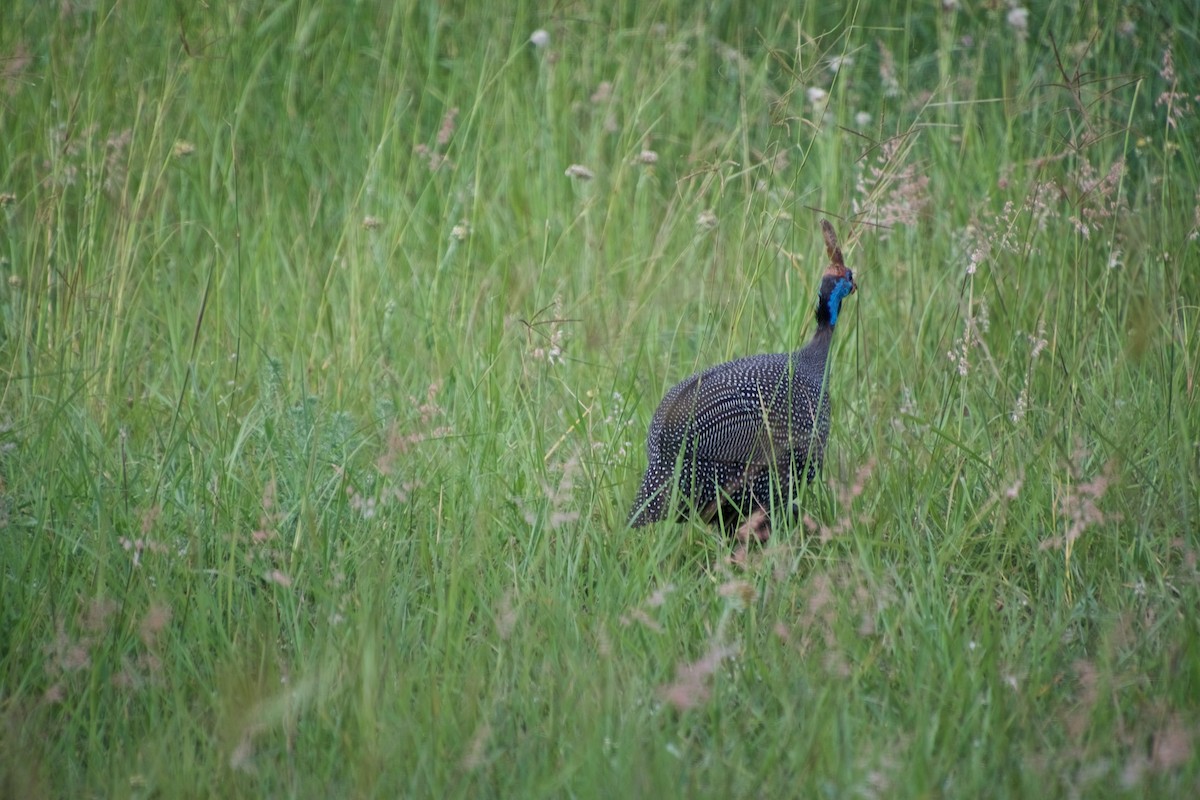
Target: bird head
pixel 838 282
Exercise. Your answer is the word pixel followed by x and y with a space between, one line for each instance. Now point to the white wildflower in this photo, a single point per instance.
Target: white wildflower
pixel 1018 20
pixel 837 62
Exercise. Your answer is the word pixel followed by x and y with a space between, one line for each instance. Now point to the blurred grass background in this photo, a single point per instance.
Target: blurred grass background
pixel 329 336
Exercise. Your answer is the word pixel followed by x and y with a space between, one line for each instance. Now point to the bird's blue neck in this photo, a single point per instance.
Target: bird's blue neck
pixel 840 291
pixel 834 291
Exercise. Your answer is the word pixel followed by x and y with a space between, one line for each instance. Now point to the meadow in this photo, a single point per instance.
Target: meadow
pixel 329 336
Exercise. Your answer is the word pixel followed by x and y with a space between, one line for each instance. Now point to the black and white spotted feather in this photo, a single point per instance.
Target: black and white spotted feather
pixel 735 437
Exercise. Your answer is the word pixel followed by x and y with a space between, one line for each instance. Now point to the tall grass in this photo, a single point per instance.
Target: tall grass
pixel 330 335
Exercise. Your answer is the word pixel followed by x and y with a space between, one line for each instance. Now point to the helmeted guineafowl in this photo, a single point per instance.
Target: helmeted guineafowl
pixel 726 443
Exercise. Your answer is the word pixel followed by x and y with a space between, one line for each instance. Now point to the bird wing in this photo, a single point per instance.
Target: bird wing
pixel 729 421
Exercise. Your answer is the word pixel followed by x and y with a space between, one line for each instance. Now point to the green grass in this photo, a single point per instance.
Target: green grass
pixel 324 391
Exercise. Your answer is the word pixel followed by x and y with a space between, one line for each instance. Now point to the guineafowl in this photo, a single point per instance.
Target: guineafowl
pixel 727 443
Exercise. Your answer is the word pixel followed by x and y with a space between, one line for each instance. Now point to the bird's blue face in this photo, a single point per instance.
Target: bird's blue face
pixel 844 287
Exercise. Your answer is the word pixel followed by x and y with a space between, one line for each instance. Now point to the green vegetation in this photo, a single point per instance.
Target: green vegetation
pixel 326 367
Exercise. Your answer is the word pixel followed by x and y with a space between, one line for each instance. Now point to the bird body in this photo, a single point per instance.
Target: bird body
pixel 728 442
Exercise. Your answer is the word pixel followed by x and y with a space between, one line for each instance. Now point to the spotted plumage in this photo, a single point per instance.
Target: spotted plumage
pixel 727 443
